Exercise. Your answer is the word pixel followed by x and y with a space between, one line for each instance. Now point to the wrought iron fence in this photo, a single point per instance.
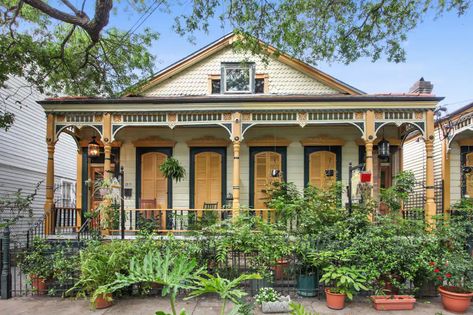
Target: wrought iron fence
pixel 413 208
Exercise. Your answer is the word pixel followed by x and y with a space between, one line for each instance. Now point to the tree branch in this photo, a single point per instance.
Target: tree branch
pixel 58 14
pixel 73 8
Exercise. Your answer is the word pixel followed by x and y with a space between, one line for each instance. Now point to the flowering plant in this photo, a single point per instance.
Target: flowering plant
pixel 267 295
pixel 455 272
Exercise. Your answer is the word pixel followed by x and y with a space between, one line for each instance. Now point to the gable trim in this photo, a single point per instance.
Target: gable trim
pixel 226 41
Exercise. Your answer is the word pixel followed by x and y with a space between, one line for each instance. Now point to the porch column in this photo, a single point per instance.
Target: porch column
pixel 236 138
pixel 430 207
pixel 370 136
pixel 107 145
pixel 49 204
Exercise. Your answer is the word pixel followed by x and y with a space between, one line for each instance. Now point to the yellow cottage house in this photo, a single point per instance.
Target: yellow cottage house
pixel 453 155
pixel 236 124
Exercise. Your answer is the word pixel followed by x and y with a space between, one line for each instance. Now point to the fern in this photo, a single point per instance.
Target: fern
pixel 174 272
pixel 299 309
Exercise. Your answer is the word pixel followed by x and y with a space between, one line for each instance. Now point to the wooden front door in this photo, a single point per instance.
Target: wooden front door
pixel 322 169
pixel 469 176
pixel 154 186
pixel 264 163
pixel 207 179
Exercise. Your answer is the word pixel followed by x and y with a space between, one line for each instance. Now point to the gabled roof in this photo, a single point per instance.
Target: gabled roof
pixel 227 41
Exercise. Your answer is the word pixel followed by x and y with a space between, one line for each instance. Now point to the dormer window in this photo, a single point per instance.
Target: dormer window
pixel 237 78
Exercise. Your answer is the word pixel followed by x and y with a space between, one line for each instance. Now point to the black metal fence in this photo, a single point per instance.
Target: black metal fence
pixel 413 208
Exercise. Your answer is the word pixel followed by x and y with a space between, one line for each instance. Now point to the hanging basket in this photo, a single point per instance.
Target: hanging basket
pixel 171 168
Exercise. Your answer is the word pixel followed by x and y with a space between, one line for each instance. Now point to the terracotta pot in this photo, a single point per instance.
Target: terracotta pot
pixel 280 269
pixel 453 301
pixel 335 301
pixel 39 284
pixel 102 302
pixel 393 302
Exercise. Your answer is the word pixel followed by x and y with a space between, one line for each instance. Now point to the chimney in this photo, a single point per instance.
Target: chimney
pixel 422 87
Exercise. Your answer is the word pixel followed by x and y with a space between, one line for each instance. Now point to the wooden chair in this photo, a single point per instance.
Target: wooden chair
pixel 207 215
pixel 210 205
pixel 147 204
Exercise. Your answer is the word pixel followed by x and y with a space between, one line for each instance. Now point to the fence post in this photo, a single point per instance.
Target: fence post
pixel 6 273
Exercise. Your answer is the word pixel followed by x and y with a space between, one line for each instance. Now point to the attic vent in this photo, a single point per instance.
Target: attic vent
pixel 398 115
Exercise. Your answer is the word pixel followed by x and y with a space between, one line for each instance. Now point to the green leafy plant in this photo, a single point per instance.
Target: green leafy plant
pixel 171 168
pixel 38 259
pixel 99 266
pixel 398 193
pixel 228 290
pixel 299 309
pixel 173 271
pixel 16 206
pixel 267 295
pixel 346 280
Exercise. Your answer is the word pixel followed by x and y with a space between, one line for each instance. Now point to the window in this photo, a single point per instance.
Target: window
pixel 238 78
pixel 259 86
pixel 67 197
pixel 215 86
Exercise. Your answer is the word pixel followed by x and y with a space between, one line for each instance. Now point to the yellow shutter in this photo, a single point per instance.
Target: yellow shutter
pixel 264 163
pixel 319 162
pixel 207 179
pixel 154 186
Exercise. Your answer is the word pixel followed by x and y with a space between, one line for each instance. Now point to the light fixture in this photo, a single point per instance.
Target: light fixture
pixel 93 149
pixel 275 173
pixel 467 169
pixel 383 149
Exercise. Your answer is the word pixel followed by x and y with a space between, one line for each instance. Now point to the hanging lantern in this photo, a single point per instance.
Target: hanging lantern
pixel 93 149
pixel 275 173
pixel 383 149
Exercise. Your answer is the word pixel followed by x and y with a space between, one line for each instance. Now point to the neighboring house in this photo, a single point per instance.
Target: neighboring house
pixel 237 124
pixel 23 155
pixel 453 154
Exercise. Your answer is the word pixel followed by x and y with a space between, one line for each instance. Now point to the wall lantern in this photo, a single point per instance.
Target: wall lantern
pixel 275 173
pixel 383 149
pixel 93 149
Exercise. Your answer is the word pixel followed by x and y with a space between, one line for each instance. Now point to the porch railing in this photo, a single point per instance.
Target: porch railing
pixel 66 220
pixel 179 220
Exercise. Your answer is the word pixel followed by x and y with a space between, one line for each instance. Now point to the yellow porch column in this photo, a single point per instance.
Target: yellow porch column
pixel 430 207
pixel 370 136
pixel 49 204
pixel 107 145
pixel 236 138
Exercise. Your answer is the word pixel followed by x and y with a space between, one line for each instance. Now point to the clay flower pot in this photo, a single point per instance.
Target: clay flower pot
pixel 39 284
pixel 102 302
pixel 453 301
pixel 335 301
pixel 280 269
pixel 393 302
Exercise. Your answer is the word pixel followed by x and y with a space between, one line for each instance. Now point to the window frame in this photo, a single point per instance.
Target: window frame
pixel 237 65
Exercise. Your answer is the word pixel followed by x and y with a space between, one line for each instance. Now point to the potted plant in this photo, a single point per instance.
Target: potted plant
pixel 455 280
pixel 99 265
pixel 37 263
pixel 343 282
pixel 272 302
pixel 171 168
pixel 392 302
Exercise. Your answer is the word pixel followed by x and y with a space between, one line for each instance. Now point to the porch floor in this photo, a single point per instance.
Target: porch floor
pixel 203 305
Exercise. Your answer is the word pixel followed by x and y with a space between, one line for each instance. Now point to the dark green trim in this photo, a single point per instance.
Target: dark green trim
pixel 311 149
pixel 139 152
pixel 193 151
pixel 255 150
pixel 85 177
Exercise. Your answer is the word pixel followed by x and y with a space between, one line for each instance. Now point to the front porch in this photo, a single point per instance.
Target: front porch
pixel 230 158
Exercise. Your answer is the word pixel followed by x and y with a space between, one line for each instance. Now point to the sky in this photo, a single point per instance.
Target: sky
pixel 440 50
